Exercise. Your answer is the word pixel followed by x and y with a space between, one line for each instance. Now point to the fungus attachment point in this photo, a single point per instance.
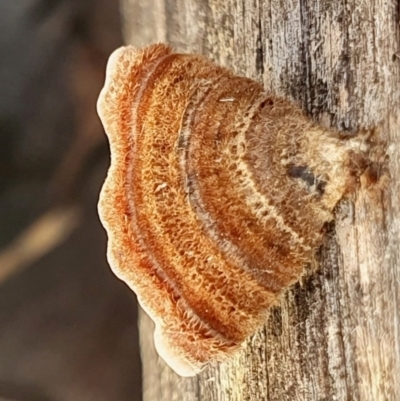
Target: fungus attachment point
pixel 215 199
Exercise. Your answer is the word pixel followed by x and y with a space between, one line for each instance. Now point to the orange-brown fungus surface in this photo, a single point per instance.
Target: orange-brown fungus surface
pixel 215 199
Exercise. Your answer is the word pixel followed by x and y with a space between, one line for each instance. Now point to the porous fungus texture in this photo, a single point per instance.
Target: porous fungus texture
pixel 215 199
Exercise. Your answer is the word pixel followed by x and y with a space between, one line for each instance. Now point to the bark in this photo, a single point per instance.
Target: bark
pixel 335 335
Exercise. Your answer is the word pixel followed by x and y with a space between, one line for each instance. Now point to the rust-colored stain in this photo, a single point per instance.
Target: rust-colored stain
pixel 216 197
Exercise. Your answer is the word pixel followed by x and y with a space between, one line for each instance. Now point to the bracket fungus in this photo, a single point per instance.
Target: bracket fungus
pixel 216 197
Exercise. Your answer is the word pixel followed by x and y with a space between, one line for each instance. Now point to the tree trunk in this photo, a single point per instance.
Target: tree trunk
pixel 335 335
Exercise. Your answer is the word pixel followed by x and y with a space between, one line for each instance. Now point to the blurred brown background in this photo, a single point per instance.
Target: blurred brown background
pixel 67 325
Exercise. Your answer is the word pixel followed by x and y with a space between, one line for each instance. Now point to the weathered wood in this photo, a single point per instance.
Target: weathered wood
pixel 336 335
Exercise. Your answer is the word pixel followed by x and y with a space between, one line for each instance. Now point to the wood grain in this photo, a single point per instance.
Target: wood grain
pixel 336 335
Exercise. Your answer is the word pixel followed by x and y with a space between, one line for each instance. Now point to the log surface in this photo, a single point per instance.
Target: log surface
pixel 335 335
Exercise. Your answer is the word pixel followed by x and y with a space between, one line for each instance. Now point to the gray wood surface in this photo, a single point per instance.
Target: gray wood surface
pixel 335 335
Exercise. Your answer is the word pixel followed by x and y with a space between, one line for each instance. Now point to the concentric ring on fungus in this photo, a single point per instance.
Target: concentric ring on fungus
pixel 215 199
